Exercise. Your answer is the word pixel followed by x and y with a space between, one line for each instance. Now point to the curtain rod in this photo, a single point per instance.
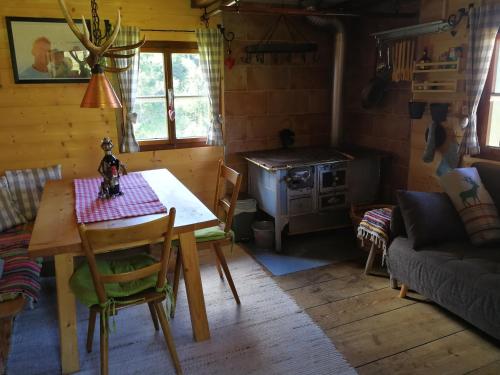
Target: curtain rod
pixel 170 30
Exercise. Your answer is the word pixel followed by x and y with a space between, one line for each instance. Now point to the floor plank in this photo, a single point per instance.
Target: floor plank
pixel 380 336
pixel 317 275
pixel 490 369
pixel 362 306
pixel 337 289
pixel 452 355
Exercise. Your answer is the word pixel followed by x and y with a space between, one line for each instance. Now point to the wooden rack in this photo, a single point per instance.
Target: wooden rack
pixel 437 67
pixel 436 85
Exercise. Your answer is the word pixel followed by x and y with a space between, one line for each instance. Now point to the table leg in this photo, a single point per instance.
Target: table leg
pixel 66 307
pixel 194 289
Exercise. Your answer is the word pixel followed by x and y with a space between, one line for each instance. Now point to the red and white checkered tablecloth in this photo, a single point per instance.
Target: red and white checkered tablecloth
pixel 138 199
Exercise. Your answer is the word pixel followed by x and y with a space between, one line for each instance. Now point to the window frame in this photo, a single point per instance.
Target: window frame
pixel 483 114
pixel 167 48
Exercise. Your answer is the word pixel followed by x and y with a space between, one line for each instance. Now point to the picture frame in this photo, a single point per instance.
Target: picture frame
pixel 45 50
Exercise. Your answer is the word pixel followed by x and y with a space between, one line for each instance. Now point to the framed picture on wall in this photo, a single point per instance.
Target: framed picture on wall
pixel 45 50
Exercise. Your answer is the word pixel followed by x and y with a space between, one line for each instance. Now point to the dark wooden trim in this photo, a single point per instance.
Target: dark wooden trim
pixel 483 113
pixel 170 46
pixel 166 145
pixel 167 48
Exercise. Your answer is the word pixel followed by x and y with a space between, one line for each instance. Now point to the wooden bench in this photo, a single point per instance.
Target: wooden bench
pixel 19 281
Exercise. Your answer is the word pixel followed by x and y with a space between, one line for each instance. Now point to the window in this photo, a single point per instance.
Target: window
pixel 170 78
pixel 489 110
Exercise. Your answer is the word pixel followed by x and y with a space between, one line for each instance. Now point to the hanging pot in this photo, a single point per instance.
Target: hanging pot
pixel 416 109
pixel 374 92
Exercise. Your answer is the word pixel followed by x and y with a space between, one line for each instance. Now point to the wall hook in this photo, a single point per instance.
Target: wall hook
pixel 228 36
pixel 205 18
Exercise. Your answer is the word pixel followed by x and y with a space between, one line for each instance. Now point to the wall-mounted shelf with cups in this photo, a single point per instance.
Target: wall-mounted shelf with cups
pixel 437 67
pixel 435 86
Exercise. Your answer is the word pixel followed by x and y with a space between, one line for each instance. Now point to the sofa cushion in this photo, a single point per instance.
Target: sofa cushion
pixel 490 175
pixel 26 187
pixel 474 204
pixel 456 275
pixel 9 213
pixel 429 218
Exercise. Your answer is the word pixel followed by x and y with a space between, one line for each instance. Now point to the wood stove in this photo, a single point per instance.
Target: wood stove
pixel 303 189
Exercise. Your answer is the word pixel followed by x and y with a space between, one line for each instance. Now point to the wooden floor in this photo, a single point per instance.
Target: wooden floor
pixel 379 333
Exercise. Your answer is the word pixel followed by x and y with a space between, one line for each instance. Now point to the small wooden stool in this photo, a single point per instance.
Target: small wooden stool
pixel 356 214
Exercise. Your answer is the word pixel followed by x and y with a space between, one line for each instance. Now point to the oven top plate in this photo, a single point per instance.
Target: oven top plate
pixel 295 157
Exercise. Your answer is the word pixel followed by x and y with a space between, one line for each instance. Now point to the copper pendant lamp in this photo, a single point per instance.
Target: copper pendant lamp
pixel 100 93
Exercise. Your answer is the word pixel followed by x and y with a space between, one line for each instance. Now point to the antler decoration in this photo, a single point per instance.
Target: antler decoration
pixel 106 49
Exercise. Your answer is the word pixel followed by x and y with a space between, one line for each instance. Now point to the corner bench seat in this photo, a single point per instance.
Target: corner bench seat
pixel 21 274
pixel 20 280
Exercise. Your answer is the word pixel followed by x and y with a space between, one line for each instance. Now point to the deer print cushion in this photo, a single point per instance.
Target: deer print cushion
pixel 474 205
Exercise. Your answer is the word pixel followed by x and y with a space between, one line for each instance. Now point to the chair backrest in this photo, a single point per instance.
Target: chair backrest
pixel 106 240
pixel 226 175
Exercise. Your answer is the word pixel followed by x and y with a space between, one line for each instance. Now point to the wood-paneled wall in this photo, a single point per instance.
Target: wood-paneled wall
pixel 422 176
pixel 43 124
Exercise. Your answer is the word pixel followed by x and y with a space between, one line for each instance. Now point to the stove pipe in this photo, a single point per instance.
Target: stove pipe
pixel 334 25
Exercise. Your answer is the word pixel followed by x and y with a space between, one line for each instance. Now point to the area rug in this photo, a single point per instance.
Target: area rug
pixel 267 334
pixel 307 251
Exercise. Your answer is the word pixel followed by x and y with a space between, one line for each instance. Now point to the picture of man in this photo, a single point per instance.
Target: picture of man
pixel 39 68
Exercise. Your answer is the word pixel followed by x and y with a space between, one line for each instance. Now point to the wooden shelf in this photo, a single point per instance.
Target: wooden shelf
pixel 437 67
pixel 435 86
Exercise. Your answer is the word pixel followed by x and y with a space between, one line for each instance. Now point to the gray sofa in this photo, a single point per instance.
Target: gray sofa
pixel 458 276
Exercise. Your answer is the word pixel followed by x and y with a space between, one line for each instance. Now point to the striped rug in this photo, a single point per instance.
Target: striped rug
pixel 267 334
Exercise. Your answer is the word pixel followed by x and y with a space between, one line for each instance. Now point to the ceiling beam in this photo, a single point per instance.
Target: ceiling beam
pixel 202 3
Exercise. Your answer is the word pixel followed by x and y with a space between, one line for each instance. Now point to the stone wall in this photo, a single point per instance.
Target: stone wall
pixel 263 98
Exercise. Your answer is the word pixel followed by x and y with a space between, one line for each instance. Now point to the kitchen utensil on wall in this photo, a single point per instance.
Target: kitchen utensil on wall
pixel 374 91
pixel 416 109
pixel 403 56
pixel 435 134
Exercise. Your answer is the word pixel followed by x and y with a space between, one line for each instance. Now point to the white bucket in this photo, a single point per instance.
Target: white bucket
pixel 263 232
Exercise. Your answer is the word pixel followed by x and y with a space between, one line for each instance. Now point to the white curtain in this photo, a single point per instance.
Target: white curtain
pixel 484 25
pixel 210 49
pixel 128 82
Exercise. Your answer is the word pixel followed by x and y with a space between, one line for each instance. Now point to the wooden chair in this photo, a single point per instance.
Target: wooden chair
pixel 8 311
pixel 221 235
pixel 106 240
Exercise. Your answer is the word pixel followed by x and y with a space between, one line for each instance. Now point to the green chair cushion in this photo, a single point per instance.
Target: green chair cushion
pixel 82 285
pixel 209 234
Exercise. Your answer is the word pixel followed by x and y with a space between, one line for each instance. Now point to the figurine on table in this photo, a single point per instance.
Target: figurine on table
pixel 110 169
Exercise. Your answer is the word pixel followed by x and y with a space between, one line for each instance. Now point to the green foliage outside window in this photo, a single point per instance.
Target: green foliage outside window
pixel 192 111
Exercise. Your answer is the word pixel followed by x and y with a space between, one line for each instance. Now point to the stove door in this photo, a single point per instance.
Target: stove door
pixel 335 200
pixel 331 178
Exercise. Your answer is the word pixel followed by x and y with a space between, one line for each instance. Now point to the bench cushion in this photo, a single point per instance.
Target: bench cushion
pixel 21 274
pixel 26 187
pixel 9 213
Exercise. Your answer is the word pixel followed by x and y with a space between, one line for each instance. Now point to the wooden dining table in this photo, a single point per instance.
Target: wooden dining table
pixel 56 234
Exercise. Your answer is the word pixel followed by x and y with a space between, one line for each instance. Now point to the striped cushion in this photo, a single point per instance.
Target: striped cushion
pixel 20 273
pixel 9 213
pixel 474 204
pixel 26 187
